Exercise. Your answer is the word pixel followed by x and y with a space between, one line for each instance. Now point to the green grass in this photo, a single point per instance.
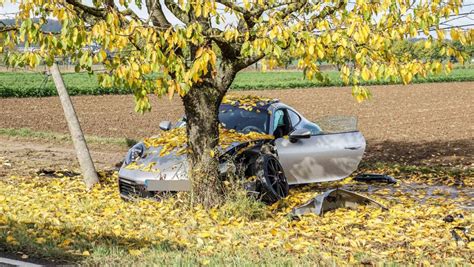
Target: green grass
pixel 19 84
pixel 284 80
pixel 35 85
pixel 51 136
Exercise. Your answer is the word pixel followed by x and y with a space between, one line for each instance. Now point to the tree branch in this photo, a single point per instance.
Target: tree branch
pixel 293 7
pixel 232 5
pixel 156 14
pixel 92 11
pixel 182 15
pixel 131 13
pixel 245 62
pixel 327 11
pixel 8 28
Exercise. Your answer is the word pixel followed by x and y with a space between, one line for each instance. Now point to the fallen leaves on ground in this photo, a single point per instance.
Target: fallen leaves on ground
pixel 60 213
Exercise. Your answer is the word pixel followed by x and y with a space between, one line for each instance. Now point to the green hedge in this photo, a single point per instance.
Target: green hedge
pixel 38 85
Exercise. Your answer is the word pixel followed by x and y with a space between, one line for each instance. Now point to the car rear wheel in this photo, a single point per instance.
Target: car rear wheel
pixel 273 183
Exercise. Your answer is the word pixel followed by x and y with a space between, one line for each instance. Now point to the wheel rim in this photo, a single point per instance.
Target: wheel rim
pixel 276 177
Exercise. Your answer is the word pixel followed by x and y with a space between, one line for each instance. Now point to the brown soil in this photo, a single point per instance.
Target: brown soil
pixel 416 124
pixel 21 156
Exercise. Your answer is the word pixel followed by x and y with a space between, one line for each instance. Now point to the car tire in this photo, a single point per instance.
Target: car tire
pixel 273 185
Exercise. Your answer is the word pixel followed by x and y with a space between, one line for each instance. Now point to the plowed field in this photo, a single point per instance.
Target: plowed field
pixel 416 124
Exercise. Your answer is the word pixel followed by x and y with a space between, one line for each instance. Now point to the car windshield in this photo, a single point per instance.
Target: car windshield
pixel 241 120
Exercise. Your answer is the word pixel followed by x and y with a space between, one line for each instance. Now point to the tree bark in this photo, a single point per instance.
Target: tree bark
pixel 202 108
pixel 82 151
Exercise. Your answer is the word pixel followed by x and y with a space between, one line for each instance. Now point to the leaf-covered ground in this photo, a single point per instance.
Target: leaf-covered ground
pixel 57 218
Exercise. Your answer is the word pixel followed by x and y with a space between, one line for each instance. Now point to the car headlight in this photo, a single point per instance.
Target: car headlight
pixel 135 153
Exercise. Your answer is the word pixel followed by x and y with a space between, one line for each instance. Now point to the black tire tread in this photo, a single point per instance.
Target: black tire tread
pixel 267 192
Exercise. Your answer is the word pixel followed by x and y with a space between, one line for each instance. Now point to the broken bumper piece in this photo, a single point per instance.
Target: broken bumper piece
pixel 334 199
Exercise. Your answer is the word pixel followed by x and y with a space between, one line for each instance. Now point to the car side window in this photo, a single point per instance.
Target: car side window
pixel 278 119
pixel 294 118
pixel 281 123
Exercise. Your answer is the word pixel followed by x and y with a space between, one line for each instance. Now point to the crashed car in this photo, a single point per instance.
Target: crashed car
pixel 264 140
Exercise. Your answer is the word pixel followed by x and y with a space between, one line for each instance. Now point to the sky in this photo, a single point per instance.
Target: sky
pixel 8 8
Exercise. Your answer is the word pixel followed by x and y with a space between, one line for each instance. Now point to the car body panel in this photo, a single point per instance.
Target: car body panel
pixel 321 158
pixel 167 167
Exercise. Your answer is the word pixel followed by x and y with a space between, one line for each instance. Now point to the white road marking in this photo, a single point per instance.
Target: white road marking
pixel 17 263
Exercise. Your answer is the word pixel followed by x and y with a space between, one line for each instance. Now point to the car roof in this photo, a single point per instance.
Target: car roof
pixel 261 105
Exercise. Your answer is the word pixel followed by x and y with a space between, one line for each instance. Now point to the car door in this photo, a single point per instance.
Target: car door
pixel 320 158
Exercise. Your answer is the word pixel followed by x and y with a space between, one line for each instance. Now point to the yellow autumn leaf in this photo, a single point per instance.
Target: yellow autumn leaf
pixel 40 240
pixel 199 52
pixel 205 234
pixel 134 252
pixel 171 89
pixel 11 240
pixel 365 74
pixel 66 243
pixel 311 49
pixel 427 44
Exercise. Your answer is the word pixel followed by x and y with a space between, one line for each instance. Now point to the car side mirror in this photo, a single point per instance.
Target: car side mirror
pixel 165 125
pixel 299 134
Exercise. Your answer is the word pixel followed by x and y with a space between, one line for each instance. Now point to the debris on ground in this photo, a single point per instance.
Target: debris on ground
pixel 5 162
pixel 451 218
pixel 375 178
pixel 51 173
pixel 465 232
pixel 334 199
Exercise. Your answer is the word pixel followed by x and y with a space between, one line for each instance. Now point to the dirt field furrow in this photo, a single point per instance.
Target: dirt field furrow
pixel 427 118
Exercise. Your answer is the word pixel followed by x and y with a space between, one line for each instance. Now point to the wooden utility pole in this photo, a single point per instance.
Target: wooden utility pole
pixel 82 151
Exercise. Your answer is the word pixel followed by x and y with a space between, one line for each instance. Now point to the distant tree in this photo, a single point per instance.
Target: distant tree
pixel 359 34
pixel 285 60
pixel 445 50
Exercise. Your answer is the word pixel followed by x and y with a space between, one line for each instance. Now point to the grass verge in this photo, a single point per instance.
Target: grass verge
pixel 51 136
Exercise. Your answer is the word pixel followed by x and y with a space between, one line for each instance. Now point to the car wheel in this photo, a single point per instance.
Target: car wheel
pixel 273 183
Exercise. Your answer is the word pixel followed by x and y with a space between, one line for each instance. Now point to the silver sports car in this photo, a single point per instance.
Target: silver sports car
pixel 298 152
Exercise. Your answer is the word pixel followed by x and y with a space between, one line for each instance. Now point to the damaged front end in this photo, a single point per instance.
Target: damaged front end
pixel 146 172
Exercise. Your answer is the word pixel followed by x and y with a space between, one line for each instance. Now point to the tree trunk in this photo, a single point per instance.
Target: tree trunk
pixel 82 151
pixel 202 109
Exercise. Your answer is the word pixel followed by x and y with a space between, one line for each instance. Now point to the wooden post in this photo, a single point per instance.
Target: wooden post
pixel 82 151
